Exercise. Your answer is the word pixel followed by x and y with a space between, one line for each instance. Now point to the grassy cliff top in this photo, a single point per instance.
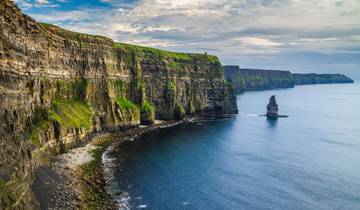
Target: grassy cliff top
pixel 70 34
pixel 157 53
pixel 147 51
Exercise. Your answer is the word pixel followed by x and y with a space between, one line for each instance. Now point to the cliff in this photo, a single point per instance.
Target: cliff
pixel 255 79
pixel 58 88
pixel 305 79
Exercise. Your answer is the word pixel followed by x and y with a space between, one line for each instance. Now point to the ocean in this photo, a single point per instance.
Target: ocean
pixel 310 160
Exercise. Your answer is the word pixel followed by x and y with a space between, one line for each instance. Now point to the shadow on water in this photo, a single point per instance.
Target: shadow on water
pixel 272 122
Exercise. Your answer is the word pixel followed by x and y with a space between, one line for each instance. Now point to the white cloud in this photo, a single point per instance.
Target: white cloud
pixel 42 1
pixel 228 28
pixel 27 4
pixel 68 16
pixel 255 41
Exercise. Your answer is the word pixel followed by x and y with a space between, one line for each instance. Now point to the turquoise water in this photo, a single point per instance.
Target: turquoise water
pixel 310 160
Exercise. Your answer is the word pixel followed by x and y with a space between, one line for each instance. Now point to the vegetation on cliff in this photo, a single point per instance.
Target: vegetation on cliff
pixel 62 85
pixel 179 111
pixel 129 112
pixel 154 53
pixel 39 124
pixel 147 113
pixel 72 114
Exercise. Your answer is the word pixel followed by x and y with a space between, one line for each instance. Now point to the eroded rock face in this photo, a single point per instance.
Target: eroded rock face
pixel 257 79
pixel 57 88
pixel 306 79
pixel 272 108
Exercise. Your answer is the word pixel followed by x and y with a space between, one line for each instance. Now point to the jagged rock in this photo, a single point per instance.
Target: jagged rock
pixel 272 108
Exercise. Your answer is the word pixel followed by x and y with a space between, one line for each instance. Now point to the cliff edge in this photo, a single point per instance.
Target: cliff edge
pixel 306 79
pixel 58 88
pixel 258 79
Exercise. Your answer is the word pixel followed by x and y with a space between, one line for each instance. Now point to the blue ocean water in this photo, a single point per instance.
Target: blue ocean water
pixel 310 160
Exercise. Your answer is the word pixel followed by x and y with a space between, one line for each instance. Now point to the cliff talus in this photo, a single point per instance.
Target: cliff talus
pixel 58 87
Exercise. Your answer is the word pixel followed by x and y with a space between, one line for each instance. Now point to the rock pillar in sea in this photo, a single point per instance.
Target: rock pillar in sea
pixel 272 108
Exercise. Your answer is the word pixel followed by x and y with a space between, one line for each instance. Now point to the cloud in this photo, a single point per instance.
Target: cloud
pixel 28 4
pixel 255 41
pixel 243 29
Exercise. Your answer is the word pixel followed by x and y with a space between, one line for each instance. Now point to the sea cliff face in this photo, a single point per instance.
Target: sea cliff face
pixel 305 79
pixel 58 87
pixel 256 79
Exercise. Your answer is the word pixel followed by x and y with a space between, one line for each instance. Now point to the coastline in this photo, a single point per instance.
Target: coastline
pixel 75 180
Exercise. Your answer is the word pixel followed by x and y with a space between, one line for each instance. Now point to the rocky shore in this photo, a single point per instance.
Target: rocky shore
pixel 75 180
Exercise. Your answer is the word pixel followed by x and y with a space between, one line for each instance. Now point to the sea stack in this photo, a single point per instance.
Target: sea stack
pixel 272 108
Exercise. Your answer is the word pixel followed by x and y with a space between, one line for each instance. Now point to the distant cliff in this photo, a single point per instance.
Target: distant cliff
pixel 58 87
pixel 255 79
pixel 305 79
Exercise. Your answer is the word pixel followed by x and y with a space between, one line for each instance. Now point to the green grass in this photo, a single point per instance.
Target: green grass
pixel 179 111
pixel 147 113
pixel 72 114
pixel 154 53
pixel 175 65
pixel 125 104
pixel 170 93
pixel 130 111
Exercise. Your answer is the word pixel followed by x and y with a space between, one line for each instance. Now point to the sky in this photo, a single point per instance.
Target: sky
pixel 320 36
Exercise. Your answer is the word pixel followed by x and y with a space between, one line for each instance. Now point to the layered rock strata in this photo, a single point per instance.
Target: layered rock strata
pixel 307 79
pixel 58 87
pixel 256 79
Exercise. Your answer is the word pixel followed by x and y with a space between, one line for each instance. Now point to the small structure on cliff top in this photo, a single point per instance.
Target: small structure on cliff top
pixel 273 109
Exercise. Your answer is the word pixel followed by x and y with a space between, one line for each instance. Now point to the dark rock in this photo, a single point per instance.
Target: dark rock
pixel 272 108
